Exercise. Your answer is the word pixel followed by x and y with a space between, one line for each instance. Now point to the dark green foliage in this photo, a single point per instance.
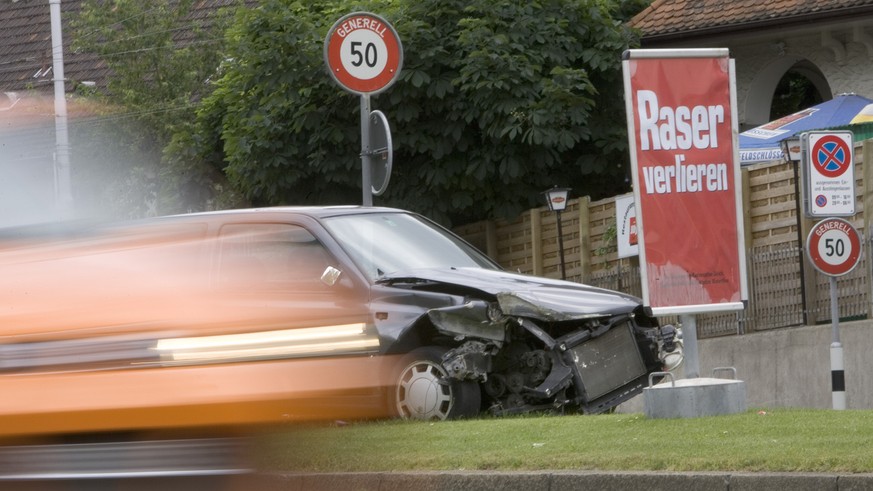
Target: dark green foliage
pixel 497 101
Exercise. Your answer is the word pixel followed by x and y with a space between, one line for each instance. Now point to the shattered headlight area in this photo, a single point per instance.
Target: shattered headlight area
pixel 671 352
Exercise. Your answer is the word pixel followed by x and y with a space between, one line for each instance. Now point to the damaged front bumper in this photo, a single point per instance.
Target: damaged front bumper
pixel 523 366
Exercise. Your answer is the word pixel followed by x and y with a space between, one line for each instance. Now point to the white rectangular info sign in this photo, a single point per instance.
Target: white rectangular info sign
pixel 829 168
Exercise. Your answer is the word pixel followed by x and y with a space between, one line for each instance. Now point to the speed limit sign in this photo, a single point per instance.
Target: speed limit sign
pixel 363 53
pixel 834 246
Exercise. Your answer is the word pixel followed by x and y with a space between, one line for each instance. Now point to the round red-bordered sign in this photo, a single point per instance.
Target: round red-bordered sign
pixel 363 53
pixel 831 156
pixel 834 246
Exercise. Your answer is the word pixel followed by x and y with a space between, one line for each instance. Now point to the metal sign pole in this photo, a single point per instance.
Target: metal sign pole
pixel 689 344
pixel 834 248
pixel 838 380
pixel 366 154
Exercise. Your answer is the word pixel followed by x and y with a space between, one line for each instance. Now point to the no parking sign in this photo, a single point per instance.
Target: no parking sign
pixel 830 173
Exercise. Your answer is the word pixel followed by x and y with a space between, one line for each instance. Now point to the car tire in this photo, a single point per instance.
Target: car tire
pixel 422 391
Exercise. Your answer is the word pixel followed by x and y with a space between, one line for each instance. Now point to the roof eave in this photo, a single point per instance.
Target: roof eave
pixel 802 20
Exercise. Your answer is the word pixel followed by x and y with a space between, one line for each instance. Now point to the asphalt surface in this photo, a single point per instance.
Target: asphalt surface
pixel 562 481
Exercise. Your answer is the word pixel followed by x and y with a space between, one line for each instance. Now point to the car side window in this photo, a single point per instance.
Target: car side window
pixel 271 256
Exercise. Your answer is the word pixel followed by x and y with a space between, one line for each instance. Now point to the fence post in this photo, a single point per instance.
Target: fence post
pixel 809 287
pixel 491 239
pixel 536 241
pixel 584 238
pixel 746 324
pixel 747 207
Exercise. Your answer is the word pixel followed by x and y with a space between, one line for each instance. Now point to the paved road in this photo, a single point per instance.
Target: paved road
pixel 565 481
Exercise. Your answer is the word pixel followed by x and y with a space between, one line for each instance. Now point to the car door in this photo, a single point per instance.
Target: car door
pixel 282 278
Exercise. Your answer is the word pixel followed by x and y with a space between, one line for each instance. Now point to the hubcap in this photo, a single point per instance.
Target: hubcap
pixel 420 395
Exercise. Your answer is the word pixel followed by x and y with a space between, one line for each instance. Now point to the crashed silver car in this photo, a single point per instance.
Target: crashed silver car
pixel 477 338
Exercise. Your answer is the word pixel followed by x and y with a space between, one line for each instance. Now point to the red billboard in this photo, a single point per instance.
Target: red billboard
pixel 682 133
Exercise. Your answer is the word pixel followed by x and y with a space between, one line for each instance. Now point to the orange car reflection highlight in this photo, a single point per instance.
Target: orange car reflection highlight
pixel 289 342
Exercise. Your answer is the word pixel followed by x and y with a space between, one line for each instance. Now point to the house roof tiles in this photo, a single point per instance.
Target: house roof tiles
pixel 666 18
pixel 26 51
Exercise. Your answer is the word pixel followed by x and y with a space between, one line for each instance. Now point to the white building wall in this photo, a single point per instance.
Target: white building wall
pixel 848 69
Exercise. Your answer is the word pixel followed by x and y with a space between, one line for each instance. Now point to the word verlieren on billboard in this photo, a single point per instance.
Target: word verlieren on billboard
pixel 680 128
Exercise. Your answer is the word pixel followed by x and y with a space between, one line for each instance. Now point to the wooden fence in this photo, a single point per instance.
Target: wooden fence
pixel 784 289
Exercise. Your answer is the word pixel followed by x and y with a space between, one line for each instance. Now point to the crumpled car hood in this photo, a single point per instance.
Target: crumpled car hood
pixel 523 295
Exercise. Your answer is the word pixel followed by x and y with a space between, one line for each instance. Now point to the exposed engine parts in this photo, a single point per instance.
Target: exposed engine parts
pixel 537 366
pixel 469 361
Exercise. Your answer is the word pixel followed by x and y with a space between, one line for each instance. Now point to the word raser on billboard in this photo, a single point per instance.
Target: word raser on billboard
pixel 682 130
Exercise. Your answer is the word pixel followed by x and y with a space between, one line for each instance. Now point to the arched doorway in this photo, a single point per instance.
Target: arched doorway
pixel 783 87
pixel 802 86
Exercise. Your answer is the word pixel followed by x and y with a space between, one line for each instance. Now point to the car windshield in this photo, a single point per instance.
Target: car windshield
pixel 385 243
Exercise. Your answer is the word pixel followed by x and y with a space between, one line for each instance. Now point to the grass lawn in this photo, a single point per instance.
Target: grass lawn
pixel 781 440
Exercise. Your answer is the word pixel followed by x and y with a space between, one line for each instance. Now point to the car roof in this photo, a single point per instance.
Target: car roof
pixel 312 211
pixel 85 229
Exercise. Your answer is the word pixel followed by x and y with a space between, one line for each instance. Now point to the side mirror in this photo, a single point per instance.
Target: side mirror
pixel 330 276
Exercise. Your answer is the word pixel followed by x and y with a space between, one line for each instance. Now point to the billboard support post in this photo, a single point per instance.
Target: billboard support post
pixel 689 345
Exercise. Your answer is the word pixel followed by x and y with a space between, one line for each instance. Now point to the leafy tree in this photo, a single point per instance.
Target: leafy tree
pixel 160 55
pixel 497 101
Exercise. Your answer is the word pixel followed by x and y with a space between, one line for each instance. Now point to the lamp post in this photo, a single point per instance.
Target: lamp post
pixel 557 201
pixel 791 154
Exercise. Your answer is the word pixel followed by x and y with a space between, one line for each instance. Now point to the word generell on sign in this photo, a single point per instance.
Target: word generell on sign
pixel 362 23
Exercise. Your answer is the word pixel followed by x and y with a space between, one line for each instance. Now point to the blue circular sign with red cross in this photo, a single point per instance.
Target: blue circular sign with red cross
pixel 831 156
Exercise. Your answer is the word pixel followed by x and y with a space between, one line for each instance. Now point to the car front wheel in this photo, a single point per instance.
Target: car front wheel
pixel 422 390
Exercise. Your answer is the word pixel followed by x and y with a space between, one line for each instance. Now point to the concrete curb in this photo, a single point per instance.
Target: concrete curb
pixel 562 481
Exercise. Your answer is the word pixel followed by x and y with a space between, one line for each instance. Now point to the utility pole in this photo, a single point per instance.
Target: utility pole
pixel 63 191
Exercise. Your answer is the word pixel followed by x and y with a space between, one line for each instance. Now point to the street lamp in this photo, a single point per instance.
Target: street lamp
pixel 556 198
pixel 790 149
